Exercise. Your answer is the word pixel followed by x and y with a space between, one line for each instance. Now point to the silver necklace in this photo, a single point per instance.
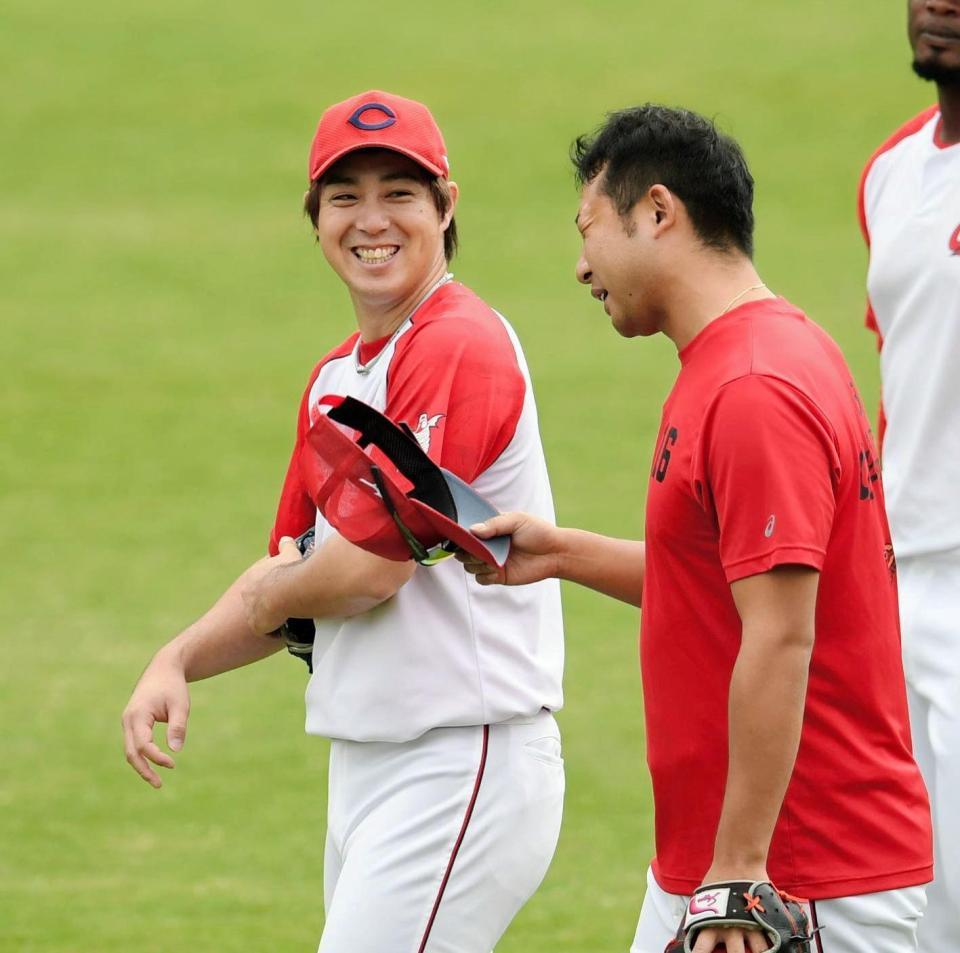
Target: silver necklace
pixel 372 363
pixel 736 298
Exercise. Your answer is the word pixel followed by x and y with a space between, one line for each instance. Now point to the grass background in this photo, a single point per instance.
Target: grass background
pixel 162 303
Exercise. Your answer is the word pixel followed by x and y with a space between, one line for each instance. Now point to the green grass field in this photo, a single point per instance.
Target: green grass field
pixel 162 303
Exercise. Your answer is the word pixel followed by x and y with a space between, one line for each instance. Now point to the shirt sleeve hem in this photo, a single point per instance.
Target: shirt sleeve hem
pixel 787 555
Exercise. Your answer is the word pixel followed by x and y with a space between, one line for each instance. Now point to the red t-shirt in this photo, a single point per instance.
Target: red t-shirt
pixel 765 458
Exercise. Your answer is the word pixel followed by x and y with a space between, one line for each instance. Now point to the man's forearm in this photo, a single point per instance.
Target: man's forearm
pixel 766 705
pixel 337 580
pixel 614 567
pixel 220 640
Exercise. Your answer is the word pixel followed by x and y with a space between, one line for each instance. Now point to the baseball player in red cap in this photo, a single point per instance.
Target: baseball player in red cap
pixel 446 780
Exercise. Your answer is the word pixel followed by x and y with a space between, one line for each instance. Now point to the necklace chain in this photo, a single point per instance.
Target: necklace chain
pixel 369 366
pixel 736 298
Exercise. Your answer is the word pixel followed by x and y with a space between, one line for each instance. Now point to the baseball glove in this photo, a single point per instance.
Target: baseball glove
pixel 298 634
pixel 752 906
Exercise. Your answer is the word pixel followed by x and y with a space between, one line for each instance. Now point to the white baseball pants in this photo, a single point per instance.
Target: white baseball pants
pixel 929 588
pixel 435 844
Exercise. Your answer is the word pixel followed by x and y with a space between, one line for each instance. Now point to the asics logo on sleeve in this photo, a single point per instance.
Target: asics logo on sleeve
pixel 954 242
pixel 771 526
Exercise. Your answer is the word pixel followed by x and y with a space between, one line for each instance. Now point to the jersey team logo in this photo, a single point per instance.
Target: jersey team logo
pixel 357 119
pixel 955 241
pixel 425 424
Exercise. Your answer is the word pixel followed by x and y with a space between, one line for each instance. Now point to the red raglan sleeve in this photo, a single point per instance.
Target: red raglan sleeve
pixel 767 468
pixel 871 319
pixel 296 512
pixel 457 384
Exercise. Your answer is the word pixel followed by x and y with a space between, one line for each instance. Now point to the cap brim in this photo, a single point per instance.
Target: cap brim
pixel 378 144
pixel 473 508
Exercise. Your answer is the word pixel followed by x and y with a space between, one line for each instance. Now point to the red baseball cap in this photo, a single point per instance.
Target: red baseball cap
pixel 394 501
pixel 378 120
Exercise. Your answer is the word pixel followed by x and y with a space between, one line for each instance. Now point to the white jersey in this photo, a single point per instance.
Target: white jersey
pixel 443 651
pixel 910 214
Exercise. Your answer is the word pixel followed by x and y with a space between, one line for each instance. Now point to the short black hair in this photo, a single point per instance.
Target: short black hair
pixel 706 169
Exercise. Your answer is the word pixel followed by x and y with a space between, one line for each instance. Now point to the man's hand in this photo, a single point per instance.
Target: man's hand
pixel 540 550
pixel 534 550
pixel 261 615
pixel 734 940
pixel 160 695
pixel 219 641
pixel 742 916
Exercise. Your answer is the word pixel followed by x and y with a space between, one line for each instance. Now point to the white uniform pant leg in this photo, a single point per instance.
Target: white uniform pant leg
pixel 331 870
pixel 415 872
pixel 660 916
pixel 929 588
pixel 884 922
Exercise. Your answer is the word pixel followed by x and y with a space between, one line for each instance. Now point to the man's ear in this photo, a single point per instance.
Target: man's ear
pixel 664 205
pixel 316 231
pixel 454 196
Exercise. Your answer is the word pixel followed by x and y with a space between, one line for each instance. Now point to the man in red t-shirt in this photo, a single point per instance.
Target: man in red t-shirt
pixel 777 730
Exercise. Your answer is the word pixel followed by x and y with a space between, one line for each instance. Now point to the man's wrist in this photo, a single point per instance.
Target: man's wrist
pixel 169 656
pixel 270 600
pixel 737 865
pixel 562 550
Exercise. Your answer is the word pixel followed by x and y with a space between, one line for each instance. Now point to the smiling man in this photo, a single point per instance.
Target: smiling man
pixel 776 716
pixel 910 216
pixel 446 780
